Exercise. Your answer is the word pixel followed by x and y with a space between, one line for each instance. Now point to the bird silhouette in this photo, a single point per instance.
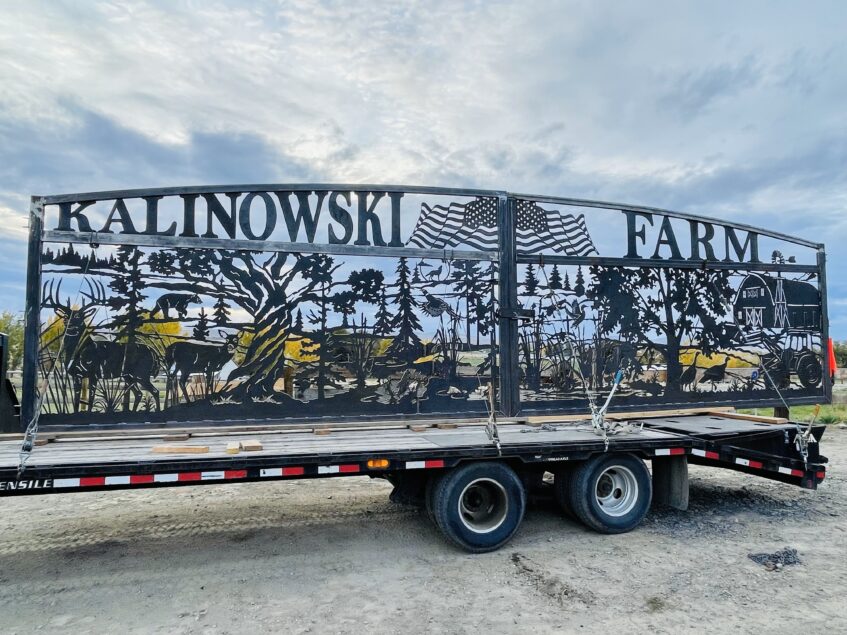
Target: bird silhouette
pixel 575 312
pixel 689 374
pixel 436 307
pixel 714 374
pixel 434 274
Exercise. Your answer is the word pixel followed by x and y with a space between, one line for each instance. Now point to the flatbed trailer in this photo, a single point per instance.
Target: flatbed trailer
pixel 458 343
pixel 414 458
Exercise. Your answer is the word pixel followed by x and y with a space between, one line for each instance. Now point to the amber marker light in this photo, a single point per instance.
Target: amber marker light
pixel 377 464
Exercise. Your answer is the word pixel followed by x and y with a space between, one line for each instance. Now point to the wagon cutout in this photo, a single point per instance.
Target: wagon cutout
pixel 267 304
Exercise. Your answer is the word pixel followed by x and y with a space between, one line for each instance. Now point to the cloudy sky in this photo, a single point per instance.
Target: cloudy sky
pixel 728 109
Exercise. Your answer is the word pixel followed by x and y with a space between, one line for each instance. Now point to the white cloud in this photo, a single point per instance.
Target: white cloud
pixel 725 108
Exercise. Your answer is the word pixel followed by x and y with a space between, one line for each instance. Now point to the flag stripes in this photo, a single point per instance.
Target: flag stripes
pixel 475 224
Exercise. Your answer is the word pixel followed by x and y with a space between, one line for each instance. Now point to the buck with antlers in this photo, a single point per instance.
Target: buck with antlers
pixel 85 357
pixel 183 359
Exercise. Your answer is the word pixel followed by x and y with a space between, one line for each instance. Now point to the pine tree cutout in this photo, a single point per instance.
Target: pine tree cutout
pixel 530 283
pixel 220 312
pixel 555 281
pixel 201 329
pixel 406 343
pixel 298 322
pixel 566 286
pixel 382 322
pixel 579 286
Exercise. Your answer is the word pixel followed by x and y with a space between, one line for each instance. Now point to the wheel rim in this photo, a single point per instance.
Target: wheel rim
pixel 616 491
pixel 483 505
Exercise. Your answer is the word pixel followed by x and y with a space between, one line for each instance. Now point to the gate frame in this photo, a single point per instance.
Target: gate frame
pixel 506 256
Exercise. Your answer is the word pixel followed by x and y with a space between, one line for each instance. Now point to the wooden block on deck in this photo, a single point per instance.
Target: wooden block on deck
pixel 180 449
pixel 251 445
pixel 179 436
pixel 446 426
pixel 322 431
pixel 414 428
pixel 233 448
pixel 41 441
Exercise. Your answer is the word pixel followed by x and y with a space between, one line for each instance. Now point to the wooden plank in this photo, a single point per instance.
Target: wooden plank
pixel 754 418
pixel 681 412
pixel 234 447
pixel 180 449
pixel 145 431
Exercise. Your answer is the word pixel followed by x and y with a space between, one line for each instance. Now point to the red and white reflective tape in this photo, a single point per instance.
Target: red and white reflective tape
pixel 790 471
pixel 140 479
pixel 706 454
pixel 338 469
pixel 670 451
pixel 282 471
pixel 424 465
pixel 748 463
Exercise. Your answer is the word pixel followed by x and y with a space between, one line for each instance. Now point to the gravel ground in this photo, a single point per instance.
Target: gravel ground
pixel 335 556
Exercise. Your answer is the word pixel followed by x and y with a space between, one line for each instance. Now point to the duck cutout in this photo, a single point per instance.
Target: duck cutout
pixel 575 312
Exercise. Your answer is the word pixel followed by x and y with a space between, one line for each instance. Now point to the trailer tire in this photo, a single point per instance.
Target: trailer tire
pixel 429 493
pixel 479 506
pixel 562 483
pixel 611 493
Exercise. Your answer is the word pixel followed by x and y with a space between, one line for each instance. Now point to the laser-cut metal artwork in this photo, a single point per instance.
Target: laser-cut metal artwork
pixel 284 303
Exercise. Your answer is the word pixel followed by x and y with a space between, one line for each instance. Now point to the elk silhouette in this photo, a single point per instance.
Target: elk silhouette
pixel 85 357
pixel 183 359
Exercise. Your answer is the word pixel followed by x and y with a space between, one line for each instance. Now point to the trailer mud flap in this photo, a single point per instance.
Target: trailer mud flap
pixel 670 481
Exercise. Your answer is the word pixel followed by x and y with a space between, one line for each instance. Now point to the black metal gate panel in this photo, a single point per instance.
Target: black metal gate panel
pixel 294 302
pixel 693 311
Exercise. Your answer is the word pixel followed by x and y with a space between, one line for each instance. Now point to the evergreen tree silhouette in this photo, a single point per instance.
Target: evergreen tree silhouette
pixel 298 322
pixel 530 282
pixel 382 323
pixel 128 285
pixel 406 343
pixel 579 286
pixel 466 282
pixel 201 329
pixel 567 284
pixel 555 280
pixel 220 312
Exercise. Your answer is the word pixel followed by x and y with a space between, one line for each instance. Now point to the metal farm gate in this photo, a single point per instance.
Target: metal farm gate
pixel 290 302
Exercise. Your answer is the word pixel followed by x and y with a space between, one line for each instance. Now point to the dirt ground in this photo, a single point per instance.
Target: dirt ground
pixel 335 556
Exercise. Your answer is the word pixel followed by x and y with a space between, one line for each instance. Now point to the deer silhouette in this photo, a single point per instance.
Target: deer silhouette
pixel 183 359
pixel 84 356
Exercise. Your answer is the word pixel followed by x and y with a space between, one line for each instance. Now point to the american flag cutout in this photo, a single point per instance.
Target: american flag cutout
pixel 475 224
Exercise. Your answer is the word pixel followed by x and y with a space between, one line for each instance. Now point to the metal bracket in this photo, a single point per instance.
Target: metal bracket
pixel 516 314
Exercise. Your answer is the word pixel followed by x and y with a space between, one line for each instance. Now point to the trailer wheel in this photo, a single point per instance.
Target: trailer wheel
pixel 611 493
pixel 429 495
pixel 479 506
pixel 562 480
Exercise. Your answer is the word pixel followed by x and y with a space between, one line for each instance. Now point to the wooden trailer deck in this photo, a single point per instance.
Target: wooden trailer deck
pixel 136 447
